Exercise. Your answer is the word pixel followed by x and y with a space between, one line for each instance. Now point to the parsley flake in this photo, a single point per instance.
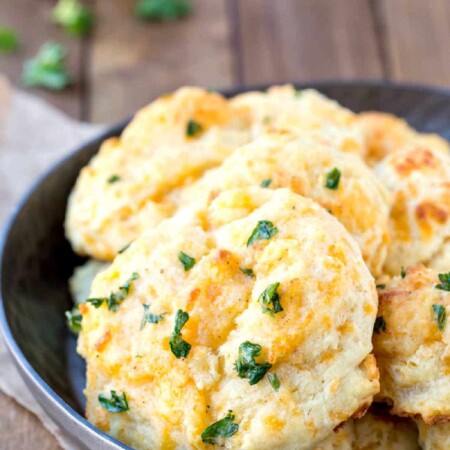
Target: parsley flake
pixel 444 279
pixel 125 247
pixel 74 17
pixel 193 128
pixel 247 367
pixel 247 272
pixel 333 178
pixel 403 272
pixel 115 299
pixel 74 319
pixel 113 179
pixel 380 325
pixel 274 381
pixel 180 348
pixel 440 314
pixel 117 403
pixel 263 230
pixel 186 260
pixel 381 286
pixel 270 296
pixel 266 183
pixel 223 428
pixel 163 10
pixel 149 317
pixel 48 68
pixel 9 42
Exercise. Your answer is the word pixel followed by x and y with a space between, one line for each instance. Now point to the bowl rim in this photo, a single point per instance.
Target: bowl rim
pixel 27 372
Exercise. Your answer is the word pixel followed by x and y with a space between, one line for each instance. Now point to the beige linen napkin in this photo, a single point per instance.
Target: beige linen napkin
pixel 33 136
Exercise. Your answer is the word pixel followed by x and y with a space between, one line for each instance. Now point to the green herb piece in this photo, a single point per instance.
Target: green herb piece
pixel 270 296
pixel 264 230
pixel 117 403
pixel 48 68
pixel 125 247
pixel 73 16
pixel 247 272
pixel 246 367
pixel 162 10
pixel 403 272
pixel 267 120
pixel 381 286
pixel 74 319
pixel 186 260
pixel 333 178
pixel 116 298
pixel 180 348
pixel 223 428
pixel 440 314
pixel 266 183
pixel 380 325
pixel 9 42
pixel 444 279
pixel 113 179
pixel 193 128
pixel 298 93
pixel 273 380
pixel 149 317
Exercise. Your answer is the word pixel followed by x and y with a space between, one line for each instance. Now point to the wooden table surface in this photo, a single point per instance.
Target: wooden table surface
pixel 126 63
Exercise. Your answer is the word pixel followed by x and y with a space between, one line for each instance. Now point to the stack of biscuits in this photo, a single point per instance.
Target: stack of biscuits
pixel 269 271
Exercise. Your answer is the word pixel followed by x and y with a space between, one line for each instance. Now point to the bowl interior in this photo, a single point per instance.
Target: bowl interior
pixel 37 260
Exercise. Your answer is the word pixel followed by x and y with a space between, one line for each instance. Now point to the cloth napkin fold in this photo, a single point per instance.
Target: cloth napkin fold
pixel 33 136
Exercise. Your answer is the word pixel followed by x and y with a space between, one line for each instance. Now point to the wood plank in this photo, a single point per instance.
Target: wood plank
pixel 19 429
pixel 30 18
pixel 302 40
pixel 133 62
pixel 416 36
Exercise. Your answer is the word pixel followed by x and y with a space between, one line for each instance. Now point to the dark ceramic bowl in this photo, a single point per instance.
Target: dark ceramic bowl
pixel 36 260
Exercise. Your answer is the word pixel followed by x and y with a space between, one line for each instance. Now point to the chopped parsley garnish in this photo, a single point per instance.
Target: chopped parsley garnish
pixel 180 348
pixel 247 272
pixel 116 298
pixel 117 403
pixel 263 230
pixel 162 10
pixel 403 272
pixel 73 16
pixel 74 319
pixel 113 179
pixel 273 380
pixel 381 286
pixel 247 367
pixel 333 178
pixel 223 428
pixel 440 314
pixel 186 260
pixel 266 183
pixel 270 296
pixel 380 325
pixel 48 68
pixel 298 92
pixel 193 128
pixel 9 42
pixel 125 247
pixel 444 279
pixel 149 317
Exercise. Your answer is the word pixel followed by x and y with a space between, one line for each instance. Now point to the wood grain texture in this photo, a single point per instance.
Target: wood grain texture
pixel 30 18
pixel 21 430
pixel 415 34
pixel 306 40
pixel 132 62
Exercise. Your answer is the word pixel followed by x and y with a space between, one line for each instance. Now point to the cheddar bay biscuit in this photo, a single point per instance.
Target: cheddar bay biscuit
pixel 411 343
pixel 434 437
pixel 258 302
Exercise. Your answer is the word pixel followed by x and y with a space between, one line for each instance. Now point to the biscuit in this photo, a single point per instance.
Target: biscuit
pixel 259 267
pixel 419 181
pixel 411 344
pixel 434 437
